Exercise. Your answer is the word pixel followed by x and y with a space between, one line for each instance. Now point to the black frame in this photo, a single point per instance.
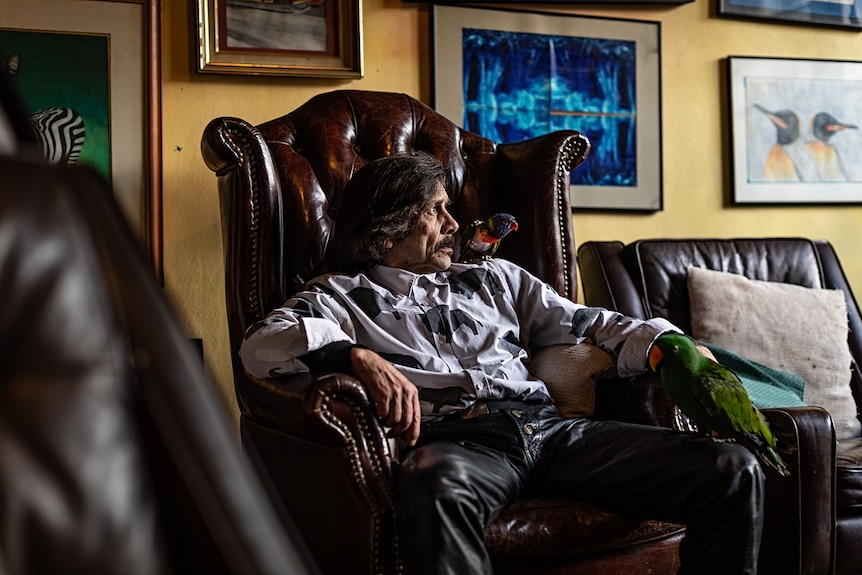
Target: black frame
pixel 529 2
pixel 812 12
pixel 447 69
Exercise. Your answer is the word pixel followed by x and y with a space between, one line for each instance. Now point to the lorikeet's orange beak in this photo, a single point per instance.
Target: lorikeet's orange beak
pixel 655 357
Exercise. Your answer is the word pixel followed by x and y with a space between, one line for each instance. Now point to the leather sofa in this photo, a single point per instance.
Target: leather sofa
pixel 316 438
pixel 647 278
pixel 116 454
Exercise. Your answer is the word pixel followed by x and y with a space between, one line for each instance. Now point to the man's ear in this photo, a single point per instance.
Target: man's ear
pixel 387 244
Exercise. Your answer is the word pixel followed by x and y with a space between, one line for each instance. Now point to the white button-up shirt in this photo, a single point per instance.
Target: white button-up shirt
pixel 459 335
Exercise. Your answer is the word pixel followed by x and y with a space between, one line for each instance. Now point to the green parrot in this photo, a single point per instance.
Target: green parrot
pixel 479 240
pixel 712 396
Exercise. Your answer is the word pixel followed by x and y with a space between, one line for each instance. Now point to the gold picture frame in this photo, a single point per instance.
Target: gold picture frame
pixel 311 38
pixel 132 30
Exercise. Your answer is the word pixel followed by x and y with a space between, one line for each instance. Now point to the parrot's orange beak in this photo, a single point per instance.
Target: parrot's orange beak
pixel 655 357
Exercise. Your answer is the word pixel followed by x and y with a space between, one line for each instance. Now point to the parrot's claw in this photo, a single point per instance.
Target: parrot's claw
pixel 723 440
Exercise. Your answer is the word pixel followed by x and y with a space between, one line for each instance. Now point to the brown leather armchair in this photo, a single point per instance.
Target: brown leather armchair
pixel 116 453
pixel 647 278
pixel 316 439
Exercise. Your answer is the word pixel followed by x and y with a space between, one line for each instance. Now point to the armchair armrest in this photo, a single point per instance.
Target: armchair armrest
pixel 318 443
pixel 800 508
pixel 330 409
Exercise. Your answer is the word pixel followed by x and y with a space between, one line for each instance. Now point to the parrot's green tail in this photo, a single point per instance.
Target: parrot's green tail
pixel 771 458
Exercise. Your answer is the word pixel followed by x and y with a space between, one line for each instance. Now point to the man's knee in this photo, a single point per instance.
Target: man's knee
pixel 465 482
pixel 735 470
pixel 433 481
pixel 428 470
pixel 735 459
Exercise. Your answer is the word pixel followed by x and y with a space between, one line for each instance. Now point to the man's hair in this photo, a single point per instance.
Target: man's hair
pixel 382 201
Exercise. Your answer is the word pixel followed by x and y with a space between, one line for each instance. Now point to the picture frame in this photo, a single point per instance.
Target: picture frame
pixel 131 129
pixel 310 38
pixel 795 130
pixel 528 2
pixel 510 75
pixel 830 13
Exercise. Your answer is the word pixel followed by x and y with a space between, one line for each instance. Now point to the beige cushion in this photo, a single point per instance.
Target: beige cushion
pixel 571 372
pixel 784 326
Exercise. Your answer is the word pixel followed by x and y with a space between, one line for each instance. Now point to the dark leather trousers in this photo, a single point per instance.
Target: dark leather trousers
pixel 464 471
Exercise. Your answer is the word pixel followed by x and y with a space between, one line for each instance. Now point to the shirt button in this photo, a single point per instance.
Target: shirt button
pixel 442 341
pixel 528 429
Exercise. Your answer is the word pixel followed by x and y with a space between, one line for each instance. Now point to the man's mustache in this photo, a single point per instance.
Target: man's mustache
pixel 445 243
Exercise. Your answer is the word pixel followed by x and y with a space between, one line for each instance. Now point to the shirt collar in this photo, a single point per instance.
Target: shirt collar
pixel 402 281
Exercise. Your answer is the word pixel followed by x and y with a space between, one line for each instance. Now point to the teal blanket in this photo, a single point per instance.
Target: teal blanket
pixel 766 386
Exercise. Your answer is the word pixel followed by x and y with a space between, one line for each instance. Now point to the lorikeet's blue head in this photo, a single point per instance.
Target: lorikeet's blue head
pixel 500 225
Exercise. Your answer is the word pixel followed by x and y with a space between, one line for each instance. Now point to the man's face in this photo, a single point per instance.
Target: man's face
pixel 429 247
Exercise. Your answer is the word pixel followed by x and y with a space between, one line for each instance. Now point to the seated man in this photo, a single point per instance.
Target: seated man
pixel 440 348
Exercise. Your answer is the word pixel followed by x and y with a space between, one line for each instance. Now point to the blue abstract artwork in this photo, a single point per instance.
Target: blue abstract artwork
pixel 521 85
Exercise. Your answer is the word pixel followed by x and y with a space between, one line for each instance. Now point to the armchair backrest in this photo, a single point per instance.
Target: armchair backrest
pixel 647 278
pixel 280 186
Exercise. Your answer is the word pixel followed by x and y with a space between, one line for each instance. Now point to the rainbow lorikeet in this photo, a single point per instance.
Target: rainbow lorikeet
pixel 713 397
pixel 479 240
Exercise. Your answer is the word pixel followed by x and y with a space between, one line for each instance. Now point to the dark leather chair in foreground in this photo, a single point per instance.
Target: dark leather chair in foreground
pixel 116 454
pixel 317 438
pixel 647 278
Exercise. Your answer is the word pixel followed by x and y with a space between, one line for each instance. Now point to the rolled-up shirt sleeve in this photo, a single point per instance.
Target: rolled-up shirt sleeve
pixel 639 338
pixel 275 345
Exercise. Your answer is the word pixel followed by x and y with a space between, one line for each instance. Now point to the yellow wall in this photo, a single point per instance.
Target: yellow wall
pixel 397 59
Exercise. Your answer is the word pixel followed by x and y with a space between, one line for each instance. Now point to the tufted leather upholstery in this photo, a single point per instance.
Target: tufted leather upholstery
pixel 647 278
pixel 116 455
pixel 316 438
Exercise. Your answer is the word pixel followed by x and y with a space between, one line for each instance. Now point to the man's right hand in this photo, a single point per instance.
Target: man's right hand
pixel 396 398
